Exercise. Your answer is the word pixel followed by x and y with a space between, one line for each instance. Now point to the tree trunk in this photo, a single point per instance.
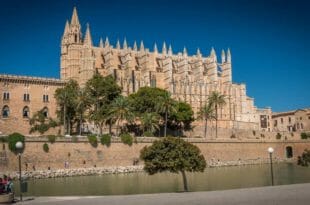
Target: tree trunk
pixel 215 121
pixel 110 127
pixel 65 128
pixel 80 133
pixel 166 117
pixel 184 181
pixel 206 127
pixel 117 127
pixel 69 127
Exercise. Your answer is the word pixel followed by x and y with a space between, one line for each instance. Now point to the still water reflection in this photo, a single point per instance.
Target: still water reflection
pixel 140 183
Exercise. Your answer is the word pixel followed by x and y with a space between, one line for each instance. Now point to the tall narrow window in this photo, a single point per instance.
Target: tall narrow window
pixel 5 111
pixel 26 97
pixel 45 112
pixel 45 98
pixel 6 96
pixel 26 112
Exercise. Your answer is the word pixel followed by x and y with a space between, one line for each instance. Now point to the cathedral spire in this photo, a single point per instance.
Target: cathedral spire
pixel 164 50
pixel 223 57
pixel 87 39
pixel 198 54
pixel 107 43
pixel 135 47
pixel 125 44
pixel 170 50
pixel 118 45
pixel 67 28
pixel 141 46
pixel 155 48
pixel 228 56
pixel 184 51
pixel 75 19
pixel 100 43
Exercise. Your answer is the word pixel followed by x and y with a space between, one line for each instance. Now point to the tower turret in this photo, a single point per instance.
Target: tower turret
pixel 125 44
pixel 101 43
pixel 164 50
pixel 75 28
pixel 223 58
pixel 135 47
pixel 87 39
pixel 155 48
pixel 170 50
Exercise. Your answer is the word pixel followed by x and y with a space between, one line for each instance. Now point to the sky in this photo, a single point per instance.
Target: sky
pixel 269 39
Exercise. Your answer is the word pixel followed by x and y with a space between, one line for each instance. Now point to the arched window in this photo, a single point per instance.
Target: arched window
pixel 45 112
pixel 5 111
pixel 301 126
pixel 26 112
pixel 289 152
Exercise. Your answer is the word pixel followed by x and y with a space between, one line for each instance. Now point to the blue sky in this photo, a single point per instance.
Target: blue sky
pixel 269 39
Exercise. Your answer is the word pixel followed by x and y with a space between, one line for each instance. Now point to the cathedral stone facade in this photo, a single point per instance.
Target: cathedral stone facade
pixel 187 78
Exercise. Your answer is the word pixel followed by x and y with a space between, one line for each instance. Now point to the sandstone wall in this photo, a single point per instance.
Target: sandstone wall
pixel 82 154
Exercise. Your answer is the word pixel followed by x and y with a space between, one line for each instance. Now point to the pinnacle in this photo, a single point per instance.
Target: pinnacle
pixel 87 39
pixel 75 19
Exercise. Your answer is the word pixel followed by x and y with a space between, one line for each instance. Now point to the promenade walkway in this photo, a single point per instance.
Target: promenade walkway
pixel 296 194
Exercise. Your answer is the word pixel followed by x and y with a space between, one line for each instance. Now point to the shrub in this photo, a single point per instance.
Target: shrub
pixel 304 135
pixel 278 136
pixel 105 140
pixel 304 159
pixel 126 139
pixel 51 138
pixel 74 139
pixel 13 138
pixel 45 147
pixel 93 140
pixel 148 134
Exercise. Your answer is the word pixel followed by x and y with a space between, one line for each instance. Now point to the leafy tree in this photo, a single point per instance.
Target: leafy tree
pixel 217 100
pixel 120 111
pixel 150 122
pixel 304 159
pixel 45 147
pixel 102 91
pixel 182 117
pixel 66 98
pixel 83 102
pixel 173 155
pixel 105 139
pixel 145 100
pixel 93 140
pixel 166 105
pixel 40 123
pixel 13 139
pixel 206 113
pixel 126 138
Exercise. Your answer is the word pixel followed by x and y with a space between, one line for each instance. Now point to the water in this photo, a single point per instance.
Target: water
pixel 140 183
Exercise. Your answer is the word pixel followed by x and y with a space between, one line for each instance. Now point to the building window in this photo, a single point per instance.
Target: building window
pixel 289 119
pixel 275 123
pixel 300 118
pixel 6 96
pixel 26 97
pixel 301 126
pixel 5 111
pixel 45 98
pixel 26 112
pixel 45 112
pixel 281 120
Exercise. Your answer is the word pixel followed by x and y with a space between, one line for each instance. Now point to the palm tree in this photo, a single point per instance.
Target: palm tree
pixel 120 110
pixel 150 122
pixel 216 100
pixel 165 105
pixel 206 113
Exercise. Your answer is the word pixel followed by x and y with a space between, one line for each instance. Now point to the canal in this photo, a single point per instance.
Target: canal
pixel 140 183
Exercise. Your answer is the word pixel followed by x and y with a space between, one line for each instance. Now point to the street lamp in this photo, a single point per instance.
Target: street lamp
pixel 19 146
pixel 270 150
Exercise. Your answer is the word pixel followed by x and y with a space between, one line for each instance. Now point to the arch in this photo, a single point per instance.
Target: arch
pixel 289 151
pixel 45 111
pixel 5 111
pixel 26 112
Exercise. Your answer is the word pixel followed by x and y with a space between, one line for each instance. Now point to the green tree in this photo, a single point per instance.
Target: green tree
pixel 217 100
pixel 206 113
pixel 150 122
pixel 13 139
pixel 145 99
pixel 165 105
pixel 120 111
pixel 173 155
pixel 182 116
pixel 66 98
pixel 102 91
pixel 40 123
pixel 304 159
pixel 83 102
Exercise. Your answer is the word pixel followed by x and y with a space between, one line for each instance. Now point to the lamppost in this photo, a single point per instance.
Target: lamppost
pixel 270 150
pixel 19 146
